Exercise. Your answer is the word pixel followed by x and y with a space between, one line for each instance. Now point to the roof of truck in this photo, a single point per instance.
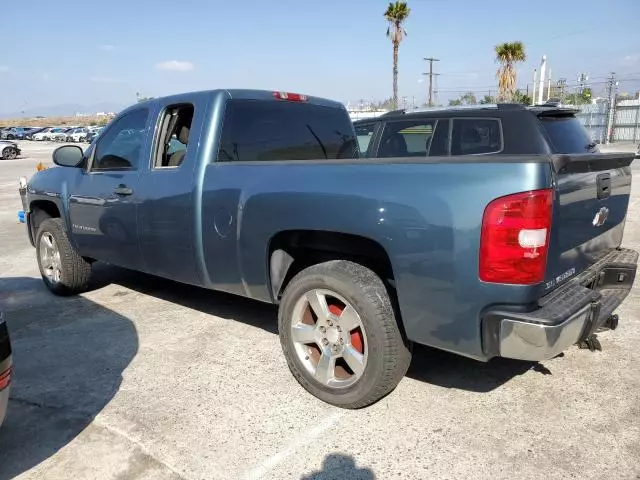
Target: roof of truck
pixel 246 94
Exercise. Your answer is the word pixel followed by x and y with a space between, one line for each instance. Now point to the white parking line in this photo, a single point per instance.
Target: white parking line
pixel 299 441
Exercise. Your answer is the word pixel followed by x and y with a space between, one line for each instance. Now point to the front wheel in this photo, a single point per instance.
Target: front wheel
pixel 339 334
pixel 63 270
pixel 9 153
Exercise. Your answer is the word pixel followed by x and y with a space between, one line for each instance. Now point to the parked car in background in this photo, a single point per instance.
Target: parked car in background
pixel 29 135
pixel 15 133
pixel 9 150
pixel 91 136
pixel 5 367
pixel 46 134
pixel 61 136
pixel 78 135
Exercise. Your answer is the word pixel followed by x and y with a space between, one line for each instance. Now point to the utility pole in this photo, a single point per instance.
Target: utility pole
pixel 431 74
pixel 562 84
pixel 612 90
pixel 582 79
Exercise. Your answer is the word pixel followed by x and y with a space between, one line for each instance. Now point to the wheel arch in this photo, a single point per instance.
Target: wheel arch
pixel 39 211
pixel 291 251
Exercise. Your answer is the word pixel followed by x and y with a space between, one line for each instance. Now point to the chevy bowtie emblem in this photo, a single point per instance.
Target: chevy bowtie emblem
pixel 600 217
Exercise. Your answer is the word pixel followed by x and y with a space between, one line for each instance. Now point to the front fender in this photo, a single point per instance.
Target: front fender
pixel 50 187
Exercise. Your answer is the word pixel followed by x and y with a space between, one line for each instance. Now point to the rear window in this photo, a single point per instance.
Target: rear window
pixel 255 131
pixel 566 134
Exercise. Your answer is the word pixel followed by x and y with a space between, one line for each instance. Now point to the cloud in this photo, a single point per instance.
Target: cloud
pixel 631 59
pixel 103 80
pixel 107 48
pixel 4 68
pixel 175 66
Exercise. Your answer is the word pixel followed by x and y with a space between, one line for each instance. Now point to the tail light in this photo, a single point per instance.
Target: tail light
pixel 292 97
pixel 5 379
pixel 515 238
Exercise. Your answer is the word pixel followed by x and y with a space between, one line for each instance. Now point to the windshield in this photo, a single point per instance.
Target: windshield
pixel 567 135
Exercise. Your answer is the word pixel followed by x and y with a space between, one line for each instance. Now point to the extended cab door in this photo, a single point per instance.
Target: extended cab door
pixel 103 202
pixel 166 215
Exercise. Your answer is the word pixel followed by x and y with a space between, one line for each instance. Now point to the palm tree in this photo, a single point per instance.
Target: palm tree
pixel 396 15
pixel 508 54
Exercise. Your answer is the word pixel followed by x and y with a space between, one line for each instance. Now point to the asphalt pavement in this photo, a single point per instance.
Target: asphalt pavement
pixel 143 378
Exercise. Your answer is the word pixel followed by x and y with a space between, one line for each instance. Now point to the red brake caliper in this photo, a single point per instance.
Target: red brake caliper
pixel 356 336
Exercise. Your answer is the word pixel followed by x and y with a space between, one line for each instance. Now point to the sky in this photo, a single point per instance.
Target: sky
pixel 95 52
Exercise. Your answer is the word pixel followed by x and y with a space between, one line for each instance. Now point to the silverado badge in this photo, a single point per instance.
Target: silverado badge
pixel 600 217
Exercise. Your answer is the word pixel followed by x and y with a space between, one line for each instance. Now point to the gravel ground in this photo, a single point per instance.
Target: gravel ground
pixel 145 378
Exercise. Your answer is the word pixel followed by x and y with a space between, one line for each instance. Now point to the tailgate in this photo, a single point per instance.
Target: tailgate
pixel 592 197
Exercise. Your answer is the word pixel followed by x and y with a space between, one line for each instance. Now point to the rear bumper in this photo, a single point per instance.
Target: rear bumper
pixel 566 316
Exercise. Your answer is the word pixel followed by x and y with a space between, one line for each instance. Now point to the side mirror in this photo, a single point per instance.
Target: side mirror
pixel 67 156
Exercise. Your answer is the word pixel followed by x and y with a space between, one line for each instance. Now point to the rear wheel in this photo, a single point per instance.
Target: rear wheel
pixel 9 153
pixel 63 270
pixel 340 336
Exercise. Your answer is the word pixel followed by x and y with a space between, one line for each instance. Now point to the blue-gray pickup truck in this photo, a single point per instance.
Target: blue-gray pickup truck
pixel 490 231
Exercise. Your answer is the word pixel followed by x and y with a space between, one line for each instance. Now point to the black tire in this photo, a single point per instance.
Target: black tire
pixel 9 153
pixel 75 270
pixel 388 353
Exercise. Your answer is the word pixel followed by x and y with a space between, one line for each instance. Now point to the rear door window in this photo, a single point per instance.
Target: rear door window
pixel 476 136
pixel 257 130
pixel 566 134
pixel 411 138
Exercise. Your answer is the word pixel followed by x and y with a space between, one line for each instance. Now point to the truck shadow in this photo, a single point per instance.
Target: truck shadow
pixel 429 365
pixel 69 355
pixel 448 370
pixel 220 304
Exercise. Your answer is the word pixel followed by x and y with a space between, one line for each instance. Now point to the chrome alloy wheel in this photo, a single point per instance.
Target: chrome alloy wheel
pixel 329 338
pixel 50 258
